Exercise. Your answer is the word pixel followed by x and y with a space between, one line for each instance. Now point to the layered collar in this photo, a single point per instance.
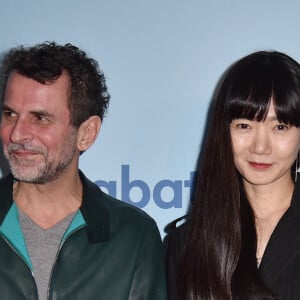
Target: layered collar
pixel 93 208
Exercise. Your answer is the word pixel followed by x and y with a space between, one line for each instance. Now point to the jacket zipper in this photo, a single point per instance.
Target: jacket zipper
pixel 55 260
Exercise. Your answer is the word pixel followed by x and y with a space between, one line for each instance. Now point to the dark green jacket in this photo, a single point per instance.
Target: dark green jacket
pixel 111 251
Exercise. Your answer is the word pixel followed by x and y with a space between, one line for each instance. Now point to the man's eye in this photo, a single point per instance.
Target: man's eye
pixel 9 115
pixel 41 117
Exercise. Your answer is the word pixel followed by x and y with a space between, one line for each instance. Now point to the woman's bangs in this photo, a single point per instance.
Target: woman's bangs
pixel 252 105
pixel 287 107
pixel 257 81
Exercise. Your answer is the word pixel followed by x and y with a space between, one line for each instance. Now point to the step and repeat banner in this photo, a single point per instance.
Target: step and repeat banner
pixel 162 61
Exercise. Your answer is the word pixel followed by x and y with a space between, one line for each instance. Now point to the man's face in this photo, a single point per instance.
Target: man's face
pixel 38 140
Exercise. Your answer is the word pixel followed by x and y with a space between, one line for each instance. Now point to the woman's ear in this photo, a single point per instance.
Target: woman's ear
pixel 88 132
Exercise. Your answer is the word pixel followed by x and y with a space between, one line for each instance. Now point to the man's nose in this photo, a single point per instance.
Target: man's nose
pixel 21 131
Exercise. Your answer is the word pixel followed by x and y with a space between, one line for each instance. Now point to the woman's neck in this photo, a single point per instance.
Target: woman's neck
pixel 266 200
pixel 269 204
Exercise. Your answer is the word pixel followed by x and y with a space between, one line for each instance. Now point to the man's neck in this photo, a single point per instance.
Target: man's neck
pixel 46 204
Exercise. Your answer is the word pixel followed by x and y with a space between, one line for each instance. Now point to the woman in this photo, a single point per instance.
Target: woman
pixel 242 237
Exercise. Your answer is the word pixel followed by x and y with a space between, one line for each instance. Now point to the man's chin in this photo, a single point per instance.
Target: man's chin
pixel 28 179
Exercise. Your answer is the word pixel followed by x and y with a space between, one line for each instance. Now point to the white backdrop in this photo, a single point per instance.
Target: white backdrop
pixel 162 60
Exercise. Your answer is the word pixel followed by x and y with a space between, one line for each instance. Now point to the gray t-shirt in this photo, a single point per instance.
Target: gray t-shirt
pixel 42 246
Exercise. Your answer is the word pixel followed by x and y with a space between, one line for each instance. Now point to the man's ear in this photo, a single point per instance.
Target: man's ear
pixel 88 132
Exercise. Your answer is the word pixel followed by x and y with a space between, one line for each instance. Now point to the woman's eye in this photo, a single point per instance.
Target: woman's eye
pixel 282 127
pixel 243 126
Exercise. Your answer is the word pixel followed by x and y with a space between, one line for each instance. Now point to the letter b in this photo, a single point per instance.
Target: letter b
pixel 127 186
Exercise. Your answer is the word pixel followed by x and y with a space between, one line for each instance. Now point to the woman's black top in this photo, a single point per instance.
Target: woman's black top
pixel 279 267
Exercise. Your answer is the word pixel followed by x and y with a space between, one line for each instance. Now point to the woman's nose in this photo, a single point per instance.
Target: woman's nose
pixel 261 142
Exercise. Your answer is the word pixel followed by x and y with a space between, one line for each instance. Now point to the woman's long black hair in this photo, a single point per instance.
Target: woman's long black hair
pixel 219 255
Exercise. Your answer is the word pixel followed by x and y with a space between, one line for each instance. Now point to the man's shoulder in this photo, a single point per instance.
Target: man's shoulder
pixel 120 216
pixel 128 212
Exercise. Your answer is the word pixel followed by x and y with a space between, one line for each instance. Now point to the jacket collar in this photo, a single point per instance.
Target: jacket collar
pixel 93 207
pixel 94 211
pixel 6 188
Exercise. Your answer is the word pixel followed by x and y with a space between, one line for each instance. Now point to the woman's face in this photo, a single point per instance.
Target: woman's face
pixel 265 151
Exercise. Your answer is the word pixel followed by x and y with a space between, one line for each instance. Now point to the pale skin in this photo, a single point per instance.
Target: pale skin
pixel 38 139
pixel 264 153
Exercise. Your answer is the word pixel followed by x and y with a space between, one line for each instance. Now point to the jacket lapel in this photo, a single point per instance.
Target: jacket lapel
pixel 284 243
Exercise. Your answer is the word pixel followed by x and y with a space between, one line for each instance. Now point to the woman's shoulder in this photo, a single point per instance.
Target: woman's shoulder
pixel 174 241
pixel 175 232
pixel 173 246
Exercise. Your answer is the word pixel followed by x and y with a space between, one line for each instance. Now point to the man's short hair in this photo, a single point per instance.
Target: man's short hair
pixel 46 62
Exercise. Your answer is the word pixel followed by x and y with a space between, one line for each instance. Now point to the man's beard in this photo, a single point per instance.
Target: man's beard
pixel 35 170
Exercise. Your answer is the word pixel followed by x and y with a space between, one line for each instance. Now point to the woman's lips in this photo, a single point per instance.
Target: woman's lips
pixel 260 166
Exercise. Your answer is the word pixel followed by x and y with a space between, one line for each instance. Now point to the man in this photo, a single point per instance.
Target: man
pixel 61 237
